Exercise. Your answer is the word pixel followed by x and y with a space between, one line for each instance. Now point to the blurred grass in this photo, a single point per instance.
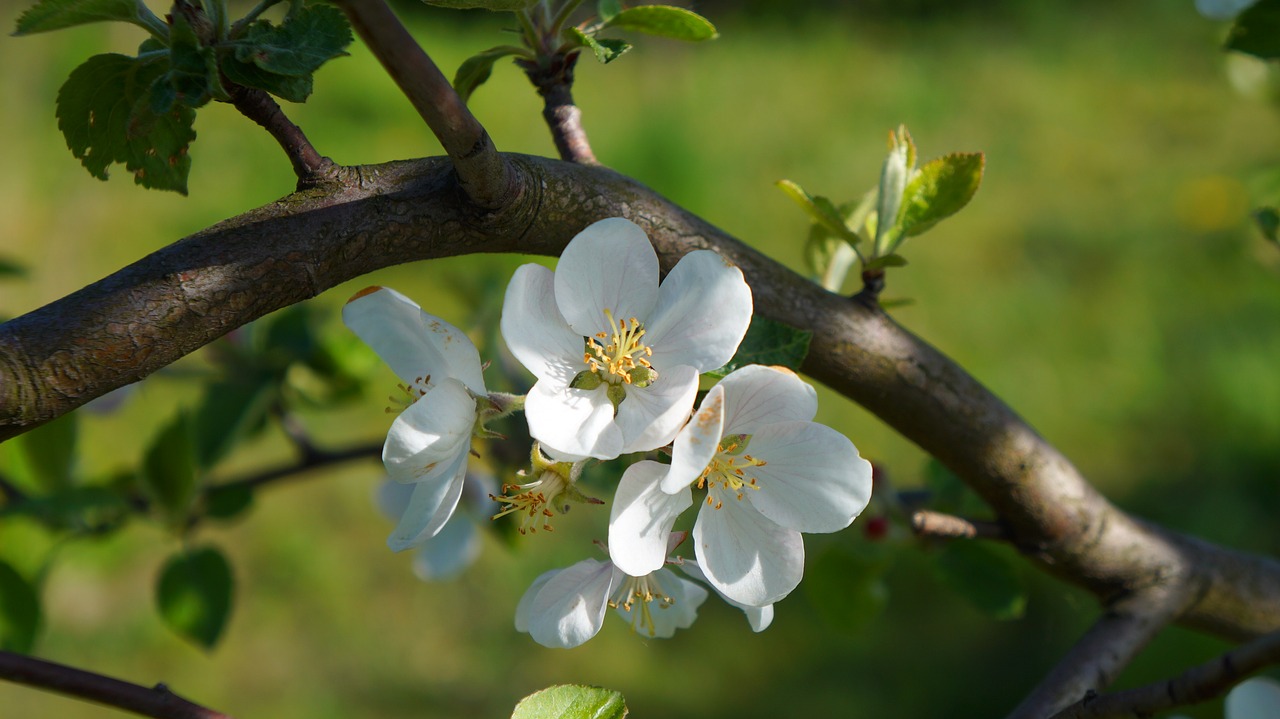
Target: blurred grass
pixel 1105 282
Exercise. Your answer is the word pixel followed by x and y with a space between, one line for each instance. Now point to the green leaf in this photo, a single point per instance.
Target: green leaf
pixel 665 21
pixel 1257 31
pixel 607 10
pixel 820 210
pixel 81 508
pixel 941 189
pixel 193 595
pixel 49 452
pixel 11 268
pixel 19 611
pixel 227 502
pixel 769 342
pixel 287 87
pixel 829 258
pixel 986 579
pixel 105 113
pixel 230 411
pixel 169 469
pixel 880 263
pixel 572 701
pixel 475 70
pixel 58 14
pixel 193 70
pixel 847 589
pixel 306 40
pixel 494 5
pixel 1268 219
pixel 949 492
pixel 605 50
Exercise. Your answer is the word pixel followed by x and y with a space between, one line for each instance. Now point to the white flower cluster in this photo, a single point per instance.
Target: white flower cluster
pixel 617 356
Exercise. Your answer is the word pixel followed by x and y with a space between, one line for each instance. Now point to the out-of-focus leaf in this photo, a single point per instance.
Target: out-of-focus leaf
pixel 605 50
pixel 49 452
pixel 665 21
pixel 58 14
pixel 193 595
pixel 227 502
pixel 884 261
pixel 230 411
pixel 494 5
pixel 94 508
pixel 1257 31
pixel 1268 219
pixel 169 469
pixel 768 342
pixel 19 611
pixel 943 187
pixel 606 10
pixel 847 589
pixel 307 39
pixel 986 579
pixel 572 701
pixel 820 210
pixel 11 268
pixel 475 70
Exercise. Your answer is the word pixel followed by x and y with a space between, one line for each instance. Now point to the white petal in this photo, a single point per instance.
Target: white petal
pixel 431 505
pixel 685 596
pixel 704 309
pixel 426 437
pixel 392 497
pixel 569 608
pixel 414 344
pixel 697 443
pixel 447 554
pixel 649 417
pixel 813 479
pixel 757 395
pixel 525 605
pixel 609 265
pixel 573 422
pixel 534 330
pixel 745 556
pixel 641 519
pixel 758 617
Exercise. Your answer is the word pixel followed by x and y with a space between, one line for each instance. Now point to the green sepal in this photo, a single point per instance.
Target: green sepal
pixel 307 39
pixel 942 188
pixel 494 5
pixel 606 50
pixel 194 593
pixel 50 15
pixel 1257 31
pixel 664 21
pixel 769 342
pixel 169 470
pixel 987 579
pixel 572 701
pixel 475 70
pixel 616 393
pixel 49 454
pixel 586 379
pixel 1268 219
pixel 20 615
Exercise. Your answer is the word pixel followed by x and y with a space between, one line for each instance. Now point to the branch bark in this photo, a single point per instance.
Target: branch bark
pixel 308 164
pixel 553 77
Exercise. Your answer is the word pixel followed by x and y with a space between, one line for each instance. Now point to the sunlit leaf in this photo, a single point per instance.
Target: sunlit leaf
pixel 820 209
pixel 1257 31
pixel 769 342
pixel 572 701
pixel 986 579
pixel 475 70
pixel 606 10
pixel 943 187
pixel 605 49
pixel 19 611
pixel 58 14
pixel 665 21
pixel 193 595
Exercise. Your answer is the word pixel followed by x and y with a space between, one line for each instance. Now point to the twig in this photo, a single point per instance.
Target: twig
pixel 308 164
pixel 1198 684
pixel 553 76
pixel 485 176
pixel 155 701
pixel 314 459
pixel 927 523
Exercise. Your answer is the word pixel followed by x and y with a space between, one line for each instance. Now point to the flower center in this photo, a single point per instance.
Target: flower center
pixel 536 502
pixel 642 590
pixel 620 355
pixel 730 470
pixel 409 394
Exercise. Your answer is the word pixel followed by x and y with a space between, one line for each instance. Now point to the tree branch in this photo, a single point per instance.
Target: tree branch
pixel 1198 684
pixel 927 523
pixel 484 175
pixel 553 77
pixel 310 166
pixel 155 701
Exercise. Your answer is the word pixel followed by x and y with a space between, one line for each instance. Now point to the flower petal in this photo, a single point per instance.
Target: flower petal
pixel 758 617
pixel 525 606
pixel 697 443
pixel 665 618
pixel 704 309
pixel 534 330
pixel 609 265
pixel 573 423
pixel 649 417
pixel 414 344
pixel 641 519
pixel 454 548
pixel 430 433
pixel 813 479
pixel 745 556
pixel 431 505
pixel 757 395
pixel 569 607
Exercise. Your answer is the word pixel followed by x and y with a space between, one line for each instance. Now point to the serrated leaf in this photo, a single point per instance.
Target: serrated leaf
pixel 169 470
pixel 1268 219
pixel 820 209
pixel 494 5
pixel 104 112
pixel 193 595
pixel 605 49
pixel 769 342
pixel 986 579
pixel 475 70
pixel 230 411
pixel 285 87
pixel 193 70
pixel 1257 31
pixel 19 611
pixel 58 14
pixel 942 188
pixel 572 701
pixel 306 40
pixel 607 10
pixel 665 21
pixel 49 452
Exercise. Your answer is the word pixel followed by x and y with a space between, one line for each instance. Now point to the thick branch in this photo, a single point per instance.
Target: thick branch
pixel 1198 684
pixel 155 701
pixel 258 106
pixel 176 300
pixel 484 175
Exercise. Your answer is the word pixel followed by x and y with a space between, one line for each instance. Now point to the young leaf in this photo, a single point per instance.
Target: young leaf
pixel 49 452
pixel 664 21
pixel 169 469
pixel 607 10
pixel 880 263
pixel 193 69
pixel 475 70
pixel 193 595
pixel 19 611
pixel 306 40
pixel 1268 219
pixel 1257 31
pixel 606 50
pixel 228 502
pixel 986 579
pixel 104 112
pixel 769 343
pixel 58 14
pixel 494 5
pixel 943 187
pixel 286 87
pixel 820 210
pixel 572 701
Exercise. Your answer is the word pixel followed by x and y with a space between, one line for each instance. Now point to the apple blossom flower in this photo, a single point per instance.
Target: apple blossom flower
pixel 429 441
pixel 758 617
pixel 553 490
pixel 616 355
pixel 457 545
pixel 769 473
